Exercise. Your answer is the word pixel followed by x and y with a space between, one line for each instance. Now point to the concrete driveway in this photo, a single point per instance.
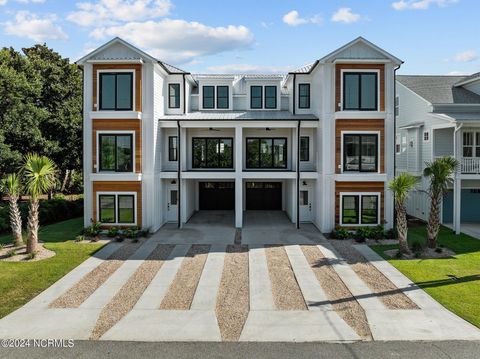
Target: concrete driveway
pixel 210 282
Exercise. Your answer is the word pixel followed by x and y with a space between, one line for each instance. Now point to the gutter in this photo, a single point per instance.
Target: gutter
pixel 456 226
pixel 298 173
pixel 184 96
pixel 179 169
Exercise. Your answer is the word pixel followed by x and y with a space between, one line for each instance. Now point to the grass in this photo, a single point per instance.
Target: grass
pixel 460 295
pixel 21 281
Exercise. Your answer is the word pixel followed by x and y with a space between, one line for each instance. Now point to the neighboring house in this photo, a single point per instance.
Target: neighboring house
pixel 440 116
pixel 161 143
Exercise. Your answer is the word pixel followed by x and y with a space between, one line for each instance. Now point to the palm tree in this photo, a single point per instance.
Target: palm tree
pixel 40 177
pixel 400 187
pixel 441 173
pixel 12 186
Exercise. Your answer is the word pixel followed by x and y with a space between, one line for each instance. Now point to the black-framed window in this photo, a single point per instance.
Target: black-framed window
pixel 266 152
pixel 303 95
pixel 360 91
pixel 174 96
pixel 116 91
pixel 270 97
pixel 115 152
pixel 256 97
pixel 359 209
pixel 304 148
pixel 107 208
pixel 116 208
pixel 172 148
pixel 360 152
pixel 212 152
pixel 126 209
pixel 222 97
pixel 208 96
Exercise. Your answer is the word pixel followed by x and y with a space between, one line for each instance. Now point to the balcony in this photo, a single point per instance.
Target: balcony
pixel 470 165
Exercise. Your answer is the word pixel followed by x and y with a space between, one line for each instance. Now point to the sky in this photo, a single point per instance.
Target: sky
pixel 253 36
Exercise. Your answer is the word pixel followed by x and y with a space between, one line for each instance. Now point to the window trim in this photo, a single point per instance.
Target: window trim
pixel 343 154
pixel 170 97
pixel 266 138
pixel 475 144
pixel 203 97
pixel 99 87
pixel 300 96
pixel 428 136
pixel 360 71
pixel 398 144
pixel 265 97
pixel 217 97
pixel 170 138
pixel 360 195
pixel 116 194
pixel 115 133
pixel 308 149
pixel 261 97
pixel 213 168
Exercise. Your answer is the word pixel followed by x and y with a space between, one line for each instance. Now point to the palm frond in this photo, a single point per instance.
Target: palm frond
pixel 40 174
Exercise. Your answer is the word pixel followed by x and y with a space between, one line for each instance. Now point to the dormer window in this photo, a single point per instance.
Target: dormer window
pixel 222 97
pixel 256 99
pixel 271 97
pixel 257 95
pixel 208 97
pixel 116 91
pixel 360 91
pixel 174 96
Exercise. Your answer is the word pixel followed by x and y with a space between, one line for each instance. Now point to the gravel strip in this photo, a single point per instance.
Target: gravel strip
pixel 386 291
pixel 130 293
pixel 233 294
pixel 286 292
pixel 181 291
pixel 337 292
pixel 85 287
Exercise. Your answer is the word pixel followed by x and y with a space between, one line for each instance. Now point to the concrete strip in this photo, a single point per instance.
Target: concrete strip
pixel 311 289
pixel 261 297
pixel 166 325
pixel 206 294
pixel 107 290
pixel 296 326
pixel 365 297
pixel 158 287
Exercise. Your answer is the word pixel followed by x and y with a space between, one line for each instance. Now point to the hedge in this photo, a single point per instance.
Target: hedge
pixel 51 211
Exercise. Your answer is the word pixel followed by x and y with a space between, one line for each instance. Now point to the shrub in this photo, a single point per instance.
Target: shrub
pixel 112 232
pixel 416 246
pixel 11 252
pixel 340 233
pixel 93 230
pixel 31 255
pixel 59 196
pixel 79 238
pixel 391 233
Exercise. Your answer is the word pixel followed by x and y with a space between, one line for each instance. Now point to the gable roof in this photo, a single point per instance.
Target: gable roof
pixel 439 89
pixel 468 79
pixel 306 69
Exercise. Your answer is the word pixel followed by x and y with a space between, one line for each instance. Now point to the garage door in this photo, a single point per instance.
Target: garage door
pixel 264 195
pixel 217 195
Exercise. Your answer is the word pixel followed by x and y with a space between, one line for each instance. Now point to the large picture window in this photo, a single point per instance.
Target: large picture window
pixel 304 96
pixel 266 153
pixel 270 97
pixel 222 97
pixel 116 152
pixel 212 152
pixel 116 91
pixel 208 97
pixel 116 208
pixel 360 152
pixel 256 100
pixel 360 91
pixel 174 95
pixel 358 209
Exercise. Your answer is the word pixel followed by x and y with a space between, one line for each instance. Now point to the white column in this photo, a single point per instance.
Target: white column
pixel 457 204
pixel 87 145
pixel 183 160
pixel 238 176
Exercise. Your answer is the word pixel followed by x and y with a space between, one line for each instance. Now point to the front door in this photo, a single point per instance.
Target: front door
pixel 305 199
pixel 172 203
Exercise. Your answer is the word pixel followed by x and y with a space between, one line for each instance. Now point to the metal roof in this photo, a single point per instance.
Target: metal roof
pixel 468 79
pixel 306 69
pixel 239 116
pixel 439 89
pixel 412 125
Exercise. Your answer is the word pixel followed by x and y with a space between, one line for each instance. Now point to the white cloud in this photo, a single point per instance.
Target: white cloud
pixel 34 27
pixel 3 2
pixel 466 56
pixel 458 73
pixel 293 18
pixel 420 4
pixel 110 12
pixel 30 1
pixel 345 15
pixel 248 69
pixel 179 41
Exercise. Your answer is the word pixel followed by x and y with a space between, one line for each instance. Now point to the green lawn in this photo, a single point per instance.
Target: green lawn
pixel 461 296
pixel 21 281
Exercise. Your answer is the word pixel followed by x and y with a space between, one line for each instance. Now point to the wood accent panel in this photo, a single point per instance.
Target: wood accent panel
pixel 118 125
pixel 359 187
pixel 113 67
pixel 338 80
pixel 119 186
pixel 359 125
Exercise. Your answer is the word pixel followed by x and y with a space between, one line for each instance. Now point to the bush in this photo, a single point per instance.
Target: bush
pixel 417 246
pixel 391 233
pixel 93 230
pixel 11 252
pixel 59 196
pixel 340 233
pixel 112 232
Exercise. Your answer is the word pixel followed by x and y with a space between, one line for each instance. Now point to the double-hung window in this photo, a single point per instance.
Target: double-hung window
pixel 212 152
pixel 471 144
pixel 304 96
pixel 172 148
pixel 359 209
pixel 116 152
pixel 222 97
pixel 208 97
pixel 174 95
pixel 360 152
pixel 266 152
pixel 116 208
pixel 256 98
pixel 304 148
pixel 116 91
pixel 360 91
pixel 270 97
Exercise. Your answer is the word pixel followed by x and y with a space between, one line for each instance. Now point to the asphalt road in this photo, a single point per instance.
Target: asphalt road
pixel 380 350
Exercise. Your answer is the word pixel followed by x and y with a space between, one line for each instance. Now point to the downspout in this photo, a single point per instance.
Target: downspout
pixel 294 85
pixel 456 226
pixel 179 169
pixel 298 173
pixel 184 96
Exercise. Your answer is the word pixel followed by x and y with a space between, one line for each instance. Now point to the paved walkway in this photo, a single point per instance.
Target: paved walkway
pixel 264 319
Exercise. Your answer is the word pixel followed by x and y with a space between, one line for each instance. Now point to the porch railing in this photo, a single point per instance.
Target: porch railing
pixel 470 165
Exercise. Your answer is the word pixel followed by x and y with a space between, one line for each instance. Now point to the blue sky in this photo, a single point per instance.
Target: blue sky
pixel 431 36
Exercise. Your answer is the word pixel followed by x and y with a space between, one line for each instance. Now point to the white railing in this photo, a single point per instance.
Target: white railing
pixel 470 165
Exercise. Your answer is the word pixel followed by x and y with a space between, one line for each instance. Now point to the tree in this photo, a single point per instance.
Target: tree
pixel 12 187
pixel 40 177
pixel 441 173
pixel 401 185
